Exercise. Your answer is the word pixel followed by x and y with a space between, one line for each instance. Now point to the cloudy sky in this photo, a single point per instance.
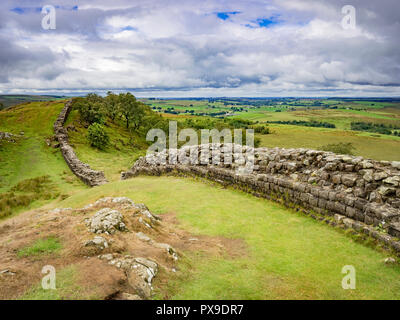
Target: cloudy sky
pixel 189 48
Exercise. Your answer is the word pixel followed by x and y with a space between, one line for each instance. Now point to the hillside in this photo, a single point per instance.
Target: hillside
pixel 12 100
pixel 230 245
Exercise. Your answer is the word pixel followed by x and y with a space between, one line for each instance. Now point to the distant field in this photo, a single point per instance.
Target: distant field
pixel 11 100
pixel 380 148
pixel 339 112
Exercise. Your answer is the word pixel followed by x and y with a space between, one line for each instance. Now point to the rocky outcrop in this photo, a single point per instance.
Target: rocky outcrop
pixel 80 169
pixel 140 271
pixel 9 137
pixel 363 191
pixel 106 221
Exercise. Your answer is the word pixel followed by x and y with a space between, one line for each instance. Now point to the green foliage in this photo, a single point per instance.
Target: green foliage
pixel 41 246
pixel 97 136
pixel 91 108
pixel 315 124
pixel 261 129
pixel 373 127
pixel 339 148
pixel 132 111
pixel 112 105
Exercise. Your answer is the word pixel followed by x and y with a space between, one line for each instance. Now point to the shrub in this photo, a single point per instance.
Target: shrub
pixel 261 130
pixel 97 136
pixel 340 148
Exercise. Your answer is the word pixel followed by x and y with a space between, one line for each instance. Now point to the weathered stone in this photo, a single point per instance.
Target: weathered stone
pixel 106 220
pixel 349 180
pixel 143 237
pixel 380 175
pixel 389 260
pixel 348 222
pixel 339 218
pixel 80 169
pixel 128 296
pixel 396 164
pixel 368 176
pixel 336 179
pixel 394 181
pixel 366 164
pixel 97 241
pixel 171 251
pixel 386 191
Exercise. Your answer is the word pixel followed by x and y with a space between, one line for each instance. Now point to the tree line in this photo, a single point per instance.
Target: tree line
pixel 305 123
pixel 375 127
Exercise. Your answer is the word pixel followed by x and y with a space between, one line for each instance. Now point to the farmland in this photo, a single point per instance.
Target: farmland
pixel 340 113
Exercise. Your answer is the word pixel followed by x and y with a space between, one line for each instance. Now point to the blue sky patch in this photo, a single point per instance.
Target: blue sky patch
pixel 18 10
pixel 225 15
pixel 128 28
pixel 264 22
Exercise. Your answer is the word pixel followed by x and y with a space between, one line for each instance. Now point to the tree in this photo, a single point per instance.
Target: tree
pixel 112 105
pixel 131 110
pixel 97 136
pixel 1 105
pixel 91 108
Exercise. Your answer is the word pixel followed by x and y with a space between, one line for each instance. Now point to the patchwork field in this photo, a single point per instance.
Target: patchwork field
pixel 340 113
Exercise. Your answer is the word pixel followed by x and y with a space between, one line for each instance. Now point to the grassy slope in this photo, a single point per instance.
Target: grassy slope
pixel 289 255
pixel 30 157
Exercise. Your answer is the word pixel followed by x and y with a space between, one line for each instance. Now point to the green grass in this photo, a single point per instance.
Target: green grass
pixel 288 255
pixel 41 247
pixel 25 193
pixel 30 157
pixel 66 287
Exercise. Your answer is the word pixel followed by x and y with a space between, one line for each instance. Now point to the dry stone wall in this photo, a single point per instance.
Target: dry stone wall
pixel 364 194
pixel 80 169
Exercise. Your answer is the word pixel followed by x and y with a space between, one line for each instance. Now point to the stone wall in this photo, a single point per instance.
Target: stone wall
pixel 80 169
pixel 362 193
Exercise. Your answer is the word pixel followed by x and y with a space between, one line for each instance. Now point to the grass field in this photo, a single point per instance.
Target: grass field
pixel 288 256
pixel 285 255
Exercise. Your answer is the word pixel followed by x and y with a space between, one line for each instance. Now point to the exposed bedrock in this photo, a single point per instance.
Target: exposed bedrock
pixel 81 170
pixel 359 189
